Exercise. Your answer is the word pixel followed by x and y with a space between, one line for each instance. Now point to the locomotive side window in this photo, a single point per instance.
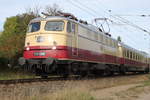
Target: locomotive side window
pixel 70 27
pixel 34 27
pixel 54 26
pixel 73 27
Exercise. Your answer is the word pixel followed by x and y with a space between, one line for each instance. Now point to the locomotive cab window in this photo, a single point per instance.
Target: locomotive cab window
pixel 54 26
pixel 34 27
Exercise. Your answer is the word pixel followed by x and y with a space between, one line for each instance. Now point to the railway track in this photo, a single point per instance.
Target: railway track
pixel 33 80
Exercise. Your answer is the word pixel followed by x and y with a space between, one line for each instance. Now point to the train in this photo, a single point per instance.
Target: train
pixel 64 45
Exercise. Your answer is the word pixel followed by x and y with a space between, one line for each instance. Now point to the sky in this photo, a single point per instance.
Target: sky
pixel 90 9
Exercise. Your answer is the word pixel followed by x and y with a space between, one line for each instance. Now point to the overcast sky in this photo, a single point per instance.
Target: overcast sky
pixel 90 9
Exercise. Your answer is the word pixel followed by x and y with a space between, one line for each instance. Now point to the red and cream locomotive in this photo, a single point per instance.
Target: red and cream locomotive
pixel 63 45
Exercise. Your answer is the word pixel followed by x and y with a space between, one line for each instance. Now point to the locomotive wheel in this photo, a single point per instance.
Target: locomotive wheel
pixel 107 72
pixel 84 74
pixel 63 70
pixel 123 70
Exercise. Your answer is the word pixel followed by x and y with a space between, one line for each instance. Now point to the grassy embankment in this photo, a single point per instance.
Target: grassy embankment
pixel 7 74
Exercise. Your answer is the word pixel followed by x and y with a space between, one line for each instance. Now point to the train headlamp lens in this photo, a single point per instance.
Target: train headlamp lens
pixel 54 47
pixel 27 48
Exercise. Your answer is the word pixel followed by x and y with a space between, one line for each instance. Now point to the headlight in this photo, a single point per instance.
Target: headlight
pixel 27 48
pixel 54 47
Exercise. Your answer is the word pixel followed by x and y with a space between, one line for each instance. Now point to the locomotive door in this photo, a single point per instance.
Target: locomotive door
pixel 74 40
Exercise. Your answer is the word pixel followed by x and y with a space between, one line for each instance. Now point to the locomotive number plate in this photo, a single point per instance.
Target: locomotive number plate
pixel 39 53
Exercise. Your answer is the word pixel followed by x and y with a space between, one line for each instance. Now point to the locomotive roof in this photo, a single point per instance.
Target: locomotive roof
pixel 88 26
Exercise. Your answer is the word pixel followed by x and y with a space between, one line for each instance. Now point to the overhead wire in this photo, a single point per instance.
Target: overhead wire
pixel 128 39
pixel 121 20
pixel 77 2
pixel 81 7
pixel 124 20
pixel 93 10
pixel 133 25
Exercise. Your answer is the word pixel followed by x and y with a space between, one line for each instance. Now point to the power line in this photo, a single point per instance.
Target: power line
pixel 129 39
pixel 133 25
pixel 126 21
pixel 122 20
pixel 130 15
pixel 82 8
pixel 93 10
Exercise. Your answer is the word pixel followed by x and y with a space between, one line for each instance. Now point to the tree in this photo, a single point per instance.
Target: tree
pixel 34 11
pixel 11 25
pixel 52 10
pixel 12 38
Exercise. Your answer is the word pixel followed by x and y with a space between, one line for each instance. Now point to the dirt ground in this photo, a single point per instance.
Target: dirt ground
pixel 124 92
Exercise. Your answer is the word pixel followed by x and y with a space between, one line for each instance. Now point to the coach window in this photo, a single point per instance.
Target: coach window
pixel 124 51
pixel 130 55
pixel 127 54
pixel 136 56
pixel 113 43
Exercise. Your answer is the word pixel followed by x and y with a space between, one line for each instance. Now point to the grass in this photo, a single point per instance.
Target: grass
pixel 7 74
pixel 73 94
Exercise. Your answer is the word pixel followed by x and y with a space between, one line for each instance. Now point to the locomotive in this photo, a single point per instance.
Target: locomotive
pixel 63 45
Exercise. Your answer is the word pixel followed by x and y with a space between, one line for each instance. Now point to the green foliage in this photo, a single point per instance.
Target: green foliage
pixel 10 25
pixel 17 24
pixel 12 38
pixel 11 47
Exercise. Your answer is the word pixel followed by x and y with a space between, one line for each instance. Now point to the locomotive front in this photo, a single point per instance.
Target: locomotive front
pixel 45 43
